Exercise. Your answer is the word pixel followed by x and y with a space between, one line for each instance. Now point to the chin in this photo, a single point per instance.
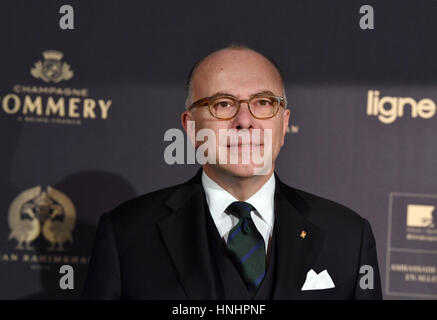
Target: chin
pixel 238 170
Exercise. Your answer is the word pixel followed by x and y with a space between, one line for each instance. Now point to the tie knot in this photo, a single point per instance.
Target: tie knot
pixel 240 209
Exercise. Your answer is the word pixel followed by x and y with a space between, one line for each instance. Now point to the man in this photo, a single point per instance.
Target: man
pixel 229 233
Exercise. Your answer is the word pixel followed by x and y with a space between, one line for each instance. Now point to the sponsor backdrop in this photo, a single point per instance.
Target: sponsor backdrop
pixel 83 114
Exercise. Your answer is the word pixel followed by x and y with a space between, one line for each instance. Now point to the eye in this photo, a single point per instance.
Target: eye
pixel 223 103
pixel 263 102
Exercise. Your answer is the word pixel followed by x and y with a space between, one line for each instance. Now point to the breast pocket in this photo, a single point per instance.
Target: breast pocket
pixel 322 294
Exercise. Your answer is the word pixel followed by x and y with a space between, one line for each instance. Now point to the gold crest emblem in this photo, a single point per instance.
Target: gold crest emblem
pixel 35 211
pixel 52 69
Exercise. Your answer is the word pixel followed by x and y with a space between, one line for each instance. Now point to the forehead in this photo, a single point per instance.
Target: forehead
pixel 238 72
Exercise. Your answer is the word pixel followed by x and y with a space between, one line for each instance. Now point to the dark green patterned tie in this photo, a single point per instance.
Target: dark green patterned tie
pixel 246 246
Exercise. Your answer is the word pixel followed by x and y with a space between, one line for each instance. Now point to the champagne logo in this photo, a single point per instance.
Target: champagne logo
pixel 34 212
pixel 52 69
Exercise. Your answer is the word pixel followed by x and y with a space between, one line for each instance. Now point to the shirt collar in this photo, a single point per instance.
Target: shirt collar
pixel 219 199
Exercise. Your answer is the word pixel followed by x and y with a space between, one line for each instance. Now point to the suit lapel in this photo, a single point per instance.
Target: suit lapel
pixel 184 234
pixel 295 253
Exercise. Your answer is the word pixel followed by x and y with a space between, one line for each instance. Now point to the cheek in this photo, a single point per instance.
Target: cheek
pixel 214 126
pixel 209 128
pixel 203 122
pixel 277 138
pixel 277 129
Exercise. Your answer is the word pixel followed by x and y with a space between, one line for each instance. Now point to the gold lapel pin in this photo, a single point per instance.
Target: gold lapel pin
pixel 303 234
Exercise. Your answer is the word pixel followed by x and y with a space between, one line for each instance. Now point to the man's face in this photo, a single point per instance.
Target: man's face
pixel 241 73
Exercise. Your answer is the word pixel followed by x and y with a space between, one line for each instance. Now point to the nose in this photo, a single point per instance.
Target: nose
pixel 244 119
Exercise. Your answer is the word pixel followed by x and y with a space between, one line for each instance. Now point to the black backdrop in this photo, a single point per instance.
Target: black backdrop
pixel 134 56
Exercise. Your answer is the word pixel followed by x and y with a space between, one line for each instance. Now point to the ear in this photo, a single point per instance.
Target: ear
pixel 185 117
pixel 188 119
pixel 286 120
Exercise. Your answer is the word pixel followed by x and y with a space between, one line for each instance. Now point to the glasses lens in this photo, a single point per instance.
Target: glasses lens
pixel 264 106
pixel 223 107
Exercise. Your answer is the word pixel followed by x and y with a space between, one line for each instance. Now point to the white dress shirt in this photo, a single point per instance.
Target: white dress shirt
pixel 219 199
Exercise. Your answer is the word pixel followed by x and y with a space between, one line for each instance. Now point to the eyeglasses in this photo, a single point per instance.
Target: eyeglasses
pixel 226 107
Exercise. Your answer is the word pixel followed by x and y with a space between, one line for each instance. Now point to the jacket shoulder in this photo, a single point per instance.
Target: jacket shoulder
pixel 323 211
pixel 149 206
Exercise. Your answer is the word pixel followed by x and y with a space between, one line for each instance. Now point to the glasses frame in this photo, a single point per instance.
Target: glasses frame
pixel 207 102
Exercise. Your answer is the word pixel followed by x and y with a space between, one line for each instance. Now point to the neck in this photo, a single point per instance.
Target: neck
pixel 242 188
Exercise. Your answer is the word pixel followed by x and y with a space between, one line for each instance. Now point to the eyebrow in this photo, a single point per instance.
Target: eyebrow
pixel 221 93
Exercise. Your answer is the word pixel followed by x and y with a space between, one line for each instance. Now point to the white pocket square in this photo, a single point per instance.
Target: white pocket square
pixel 319 281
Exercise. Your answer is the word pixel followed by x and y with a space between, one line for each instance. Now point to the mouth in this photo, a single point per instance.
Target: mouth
pixel 245 145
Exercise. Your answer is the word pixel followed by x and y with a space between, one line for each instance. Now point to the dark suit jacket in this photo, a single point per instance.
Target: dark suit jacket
pixel 153 247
